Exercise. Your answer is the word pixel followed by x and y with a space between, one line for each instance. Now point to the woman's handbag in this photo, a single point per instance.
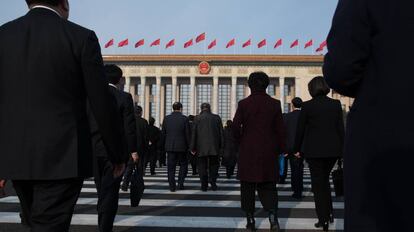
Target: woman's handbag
pixel 137 186
pixel 338 180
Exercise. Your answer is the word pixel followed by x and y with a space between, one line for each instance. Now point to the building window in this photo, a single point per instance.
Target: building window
pixel 271 90
pixel 185 98
pixel 168 99
pixel 224 102
pixel 240 93
pixel 203 95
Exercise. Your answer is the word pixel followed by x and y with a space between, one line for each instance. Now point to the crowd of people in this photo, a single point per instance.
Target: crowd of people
pixel 72 122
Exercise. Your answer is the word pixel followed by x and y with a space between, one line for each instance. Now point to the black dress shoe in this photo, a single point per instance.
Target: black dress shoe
pixel 325 225
pixel 214 186
pixel 274 222
pixel 204 188
pixel 124 188
pixel 251 223
pixel 172 189
pixel 297 196
pixel 181 186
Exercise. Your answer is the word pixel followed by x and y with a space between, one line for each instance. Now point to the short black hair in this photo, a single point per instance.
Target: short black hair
pixel 318 87
pixel 151 121
pixel 113 73
pixel 47 2
pixel 297 102
pixel 205 106
pixel 138 110
pixel 177 106
pixel 258 81
pixel 229 123
pixel 191 117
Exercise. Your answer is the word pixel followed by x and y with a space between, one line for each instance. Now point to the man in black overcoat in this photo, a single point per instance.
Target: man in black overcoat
pixel 207 142
pixel 106 184
pixel 44 130
pixel 370 59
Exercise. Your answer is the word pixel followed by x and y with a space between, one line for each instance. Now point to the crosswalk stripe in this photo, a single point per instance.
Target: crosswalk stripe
pixel 186 222
pixel 190 203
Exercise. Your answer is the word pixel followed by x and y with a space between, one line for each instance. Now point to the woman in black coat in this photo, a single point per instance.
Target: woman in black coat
pixel 321 123
pixel 230 150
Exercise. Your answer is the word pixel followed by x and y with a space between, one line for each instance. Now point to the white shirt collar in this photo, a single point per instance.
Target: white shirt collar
pixel 113 85
pixel 46 7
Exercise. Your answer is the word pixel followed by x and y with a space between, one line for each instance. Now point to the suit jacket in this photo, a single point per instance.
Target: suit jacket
pixel 55 65
pixel 258 128
pixel 176 132
pixel 207 137
pixel 142 135
pixel 154 136
pixel 370 58
pixel 230 148
pixel 291 124
pixel 126 111
pixel 321 123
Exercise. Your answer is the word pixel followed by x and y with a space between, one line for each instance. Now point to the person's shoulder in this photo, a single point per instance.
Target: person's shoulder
pixel 78 28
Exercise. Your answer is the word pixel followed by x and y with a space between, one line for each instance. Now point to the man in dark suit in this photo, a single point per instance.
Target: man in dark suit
pixel 142 147
pixel 207 142
pixel 370 59
pixel 296 163
pixel 154 136
pixel 176 137
pixel 106 184
pixel 44 130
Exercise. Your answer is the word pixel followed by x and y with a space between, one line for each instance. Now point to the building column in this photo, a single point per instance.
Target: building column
pixel 233 96
pixel 215 94
pixel 142 98
pixel 158 101
pixel 297 87
pixel 127 84
pixel 173 90
pixel 282 93
pixel 192 96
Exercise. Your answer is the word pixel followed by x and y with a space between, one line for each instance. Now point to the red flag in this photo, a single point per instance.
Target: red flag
pixel 278 43
pixel 247 43
pixel 294 44
pixel 323 44
pixel 140 43
pixel 188 43
pixel 231 43
pixel 212 44
pixel 309 44
pixel 110 43
pixel 170 44
pixel 319 49
pixel 201 37
pixel 262 43
pixel 156 42
pixel 123 43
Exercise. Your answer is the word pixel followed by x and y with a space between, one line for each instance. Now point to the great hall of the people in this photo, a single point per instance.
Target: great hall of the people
pixel 156 81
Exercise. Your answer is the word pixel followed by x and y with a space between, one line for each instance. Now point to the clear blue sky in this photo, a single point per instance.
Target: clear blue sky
pixel 185 19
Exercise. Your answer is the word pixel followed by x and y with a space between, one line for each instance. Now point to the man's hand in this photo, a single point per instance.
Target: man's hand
pixel 285 155
pixel 193 152
pixel 118 170
pixel 135 157
pixel 2 183
pixel 297 155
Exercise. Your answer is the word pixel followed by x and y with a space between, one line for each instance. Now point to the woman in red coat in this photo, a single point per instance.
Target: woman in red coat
pixel 258 128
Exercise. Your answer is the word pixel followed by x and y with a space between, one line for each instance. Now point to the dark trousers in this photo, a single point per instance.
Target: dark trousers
pixel 173 158
pixel 230 170
pixel 47 206
pixel 108 193
pixel 320 169
pixel 267 194
pixel 193 161
pixel 296 170
pixel 162 159
pixel 128 173
pixel 208 169
pixel 151 158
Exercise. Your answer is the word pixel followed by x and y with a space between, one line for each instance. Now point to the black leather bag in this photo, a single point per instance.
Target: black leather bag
pixel 137 186
pixel 338 180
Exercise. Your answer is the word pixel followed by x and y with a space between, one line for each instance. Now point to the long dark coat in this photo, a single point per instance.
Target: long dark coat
pixel 230 148
pixel 259 129
pixel 207 135
pixel 370 58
